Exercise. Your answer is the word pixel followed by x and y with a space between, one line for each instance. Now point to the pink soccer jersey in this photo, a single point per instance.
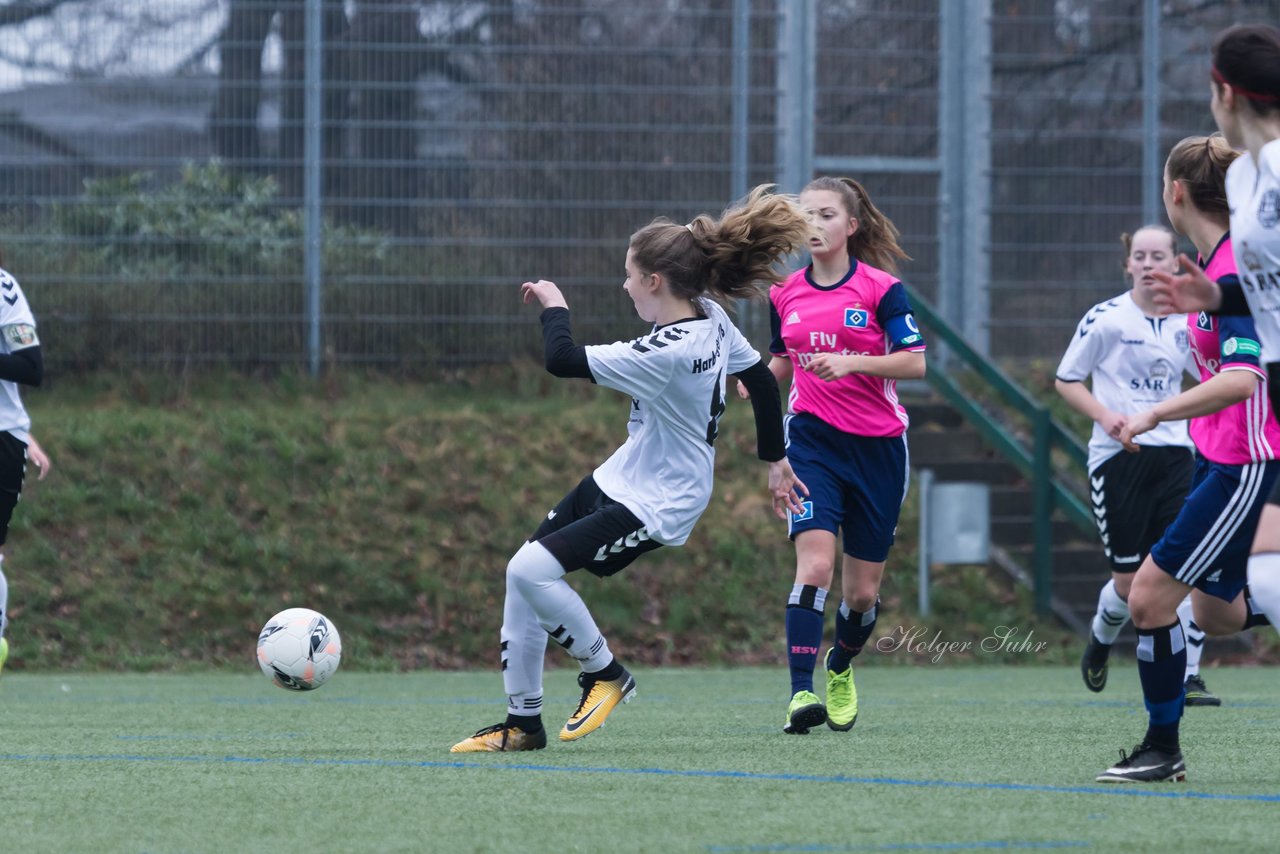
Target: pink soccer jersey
pixel 1244 432
pixel 867 313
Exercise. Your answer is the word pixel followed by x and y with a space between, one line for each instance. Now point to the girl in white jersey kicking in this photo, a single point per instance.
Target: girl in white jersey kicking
pixel 1245 102
pixel 652 490
pixel 843 334
pixel 1133 359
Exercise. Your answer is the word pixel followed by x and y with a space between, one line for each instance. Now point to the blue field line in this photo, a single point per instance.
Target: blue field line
pixel 985 845
pixel 1117 790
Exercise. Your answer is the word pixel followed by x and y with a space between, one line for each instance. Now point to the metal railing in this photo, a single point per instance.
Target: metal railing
pixel 1033 456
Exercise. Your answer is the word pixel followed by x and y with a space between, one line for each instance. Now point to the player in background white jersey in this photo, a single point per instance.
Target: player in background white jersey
pixel 1133 359
pixel 1245 102
pixel 652 490
pixel 20 362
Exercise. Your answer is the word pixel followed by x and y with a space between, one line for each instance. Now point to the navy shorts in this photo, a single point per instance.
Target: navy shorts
pixel 1208 545
pixel 856 484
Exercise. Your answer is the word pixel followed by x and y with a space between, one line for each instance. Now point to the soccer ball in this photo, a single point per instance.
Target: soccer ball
pixel 299 649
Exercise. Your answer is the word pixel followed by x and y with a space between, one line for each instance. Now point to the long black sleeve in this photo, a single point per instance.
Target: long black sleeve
pixel 563 357
pixel 766 402
pixel 1233 301
pixel 25 366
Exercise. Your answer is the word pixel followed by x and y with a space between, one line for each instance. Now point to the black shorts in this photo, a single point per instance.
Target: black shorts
pixel 589 530
pixel 1135 498
pixel 13 467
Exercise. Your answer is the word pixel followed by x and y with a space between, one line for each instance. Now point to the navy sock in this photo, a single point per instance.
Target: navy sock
pixel 1162 660
pixel 852 630
pixel 804 633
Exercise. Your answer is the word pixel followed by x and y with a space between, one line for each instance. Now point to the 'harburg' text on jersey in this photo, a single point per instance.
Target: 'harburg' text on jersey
pixel 676 376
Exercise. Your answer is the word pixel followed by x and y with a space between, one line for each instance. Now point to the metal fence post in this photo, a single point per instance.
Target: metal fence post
pixel 1152 171
pixel 797 54
pixel 312 169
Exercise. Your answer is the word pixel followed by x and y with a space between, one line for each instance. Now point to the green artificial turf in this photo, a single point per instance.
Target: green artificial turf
pixel 941 759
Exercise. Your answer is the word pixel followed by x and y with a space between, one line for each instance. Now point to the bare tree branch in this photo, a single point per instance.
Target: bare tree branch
pixel 22 11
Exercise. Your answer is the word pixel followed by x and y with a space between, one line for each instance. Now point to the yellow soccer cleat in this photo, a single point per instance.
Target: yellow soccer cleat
pixel 842 698
pixel 501 738
pixel 599 698
pixel 805 712
pixel 4 653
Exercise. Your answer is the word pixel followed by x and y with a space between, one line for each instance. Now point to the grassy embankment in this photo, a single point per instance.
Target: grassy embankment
pixel 181 514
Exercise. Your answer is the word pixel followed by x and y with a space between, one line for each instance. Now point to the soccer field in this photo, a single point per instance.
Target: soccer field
pixel 942 759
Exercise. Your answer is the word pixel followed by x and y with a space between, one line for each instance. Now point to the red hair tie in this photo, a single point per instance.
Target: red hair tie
pixel 1252 96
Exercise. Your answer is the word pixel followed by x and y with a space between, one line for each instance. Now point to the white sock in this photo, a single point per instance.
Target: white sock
pixel 4 599
pixel 1195 638
pixel 536 576
pixel 1264 585
pixel 1113 613
pixel 524 648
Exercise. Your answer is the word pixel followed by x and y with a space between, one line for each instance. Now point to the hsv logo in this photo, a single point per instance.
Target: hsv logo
pixel 806 514
pixel 855 318
pixel 804 650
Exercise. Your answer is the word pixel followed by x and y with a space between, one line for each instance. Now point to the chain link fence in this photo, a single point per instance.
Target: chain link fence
pixel 154 171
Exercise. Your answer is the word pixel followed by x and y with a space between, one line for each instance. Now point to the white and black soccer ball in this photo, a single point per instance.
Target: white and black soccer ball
pixel 299 649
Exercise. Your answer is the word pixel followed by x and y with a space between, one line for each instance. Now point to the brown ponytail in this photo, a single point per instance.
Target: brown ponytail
pixel 733 257
pixel 1200 163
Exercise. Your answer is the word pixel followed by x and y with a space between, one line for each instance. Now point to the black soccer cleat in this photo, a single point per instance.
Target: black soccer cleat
pixel 1093 664
pixel 1198 695
pixel 1146 764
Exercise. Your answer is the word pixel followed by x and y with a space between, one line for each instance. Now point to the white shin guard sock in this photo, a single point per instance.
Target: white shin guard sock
pixel 1264 585
pixel 1195 638
pixel 536 576
pixel 524 649
pixel 1113 613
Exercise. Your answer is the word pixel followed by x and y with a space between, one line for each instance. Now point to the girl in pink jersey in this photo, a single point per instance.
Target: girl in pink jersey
pixel 1206 549
pixel 843 333
pixel 1245 101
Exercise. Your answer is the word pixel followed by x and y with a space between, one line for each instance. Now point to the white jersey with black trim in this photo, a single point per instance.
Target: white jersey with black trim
pixel 1135 362
pixel 17 332
pixel 1253 192
pixel 676 378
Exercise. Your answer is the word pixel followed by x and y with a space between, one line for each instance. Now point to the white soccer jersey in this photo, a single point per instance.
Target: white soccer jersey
pixel 17 332
pixel 676 378
pixel 1253 191
pixel 1135 362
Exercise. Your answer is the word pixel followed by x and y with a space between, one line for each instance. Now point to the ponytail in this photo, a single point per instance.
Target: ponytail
pixel 1200 163
pixel 733 257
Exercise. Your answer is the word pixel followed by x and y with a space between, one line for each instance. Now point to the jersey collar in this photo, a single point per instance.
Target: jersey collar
pixel 808 277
